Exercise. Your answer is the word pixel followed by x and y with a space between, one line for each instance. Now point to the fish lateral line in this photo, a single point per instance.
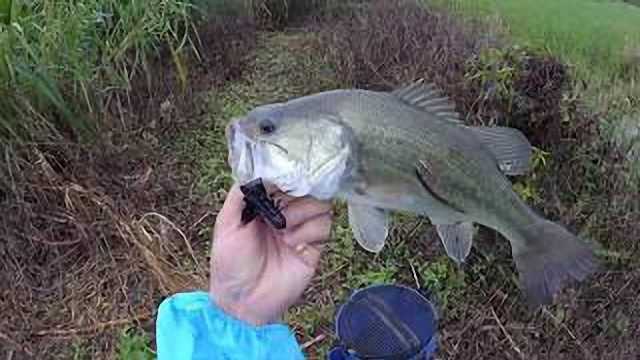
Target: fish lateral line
pixel 435 194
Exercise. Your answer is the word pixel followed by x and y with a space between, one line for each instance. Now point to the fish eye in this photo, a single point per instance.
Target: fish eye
pixel 267 126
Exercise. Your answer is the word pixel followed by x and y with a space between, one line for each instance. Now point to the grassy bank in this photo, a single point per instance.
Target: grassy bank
pixel 60 61
pixel 85 212
pixel 598 37
pixel 599 40
pixel 98 234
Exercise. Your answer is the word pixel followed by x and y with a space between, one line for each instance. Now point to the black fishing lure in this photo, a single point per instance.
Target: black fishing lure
pixel 258 203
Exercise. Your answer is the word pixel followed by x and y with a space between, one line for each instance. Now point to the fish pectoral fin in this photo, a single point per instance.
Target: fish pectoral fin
pixel 427 173
pixel 457 239
pixel 509 147
pixel 370 226
pixel 426 97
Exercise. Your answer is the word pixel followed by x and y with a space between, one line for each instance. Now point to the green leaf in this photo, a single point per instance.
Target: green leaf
pixel 181 67
pixel 47 89
pixel 5 11
pixel 5 70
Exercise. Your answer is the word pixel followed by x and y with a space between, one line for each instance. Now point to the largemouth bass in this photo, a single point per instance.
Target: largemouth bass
pixel 408 150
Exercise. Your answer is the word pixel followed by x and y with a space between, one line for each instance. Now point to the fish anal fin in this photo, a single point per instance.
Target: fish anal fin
pixel 457 239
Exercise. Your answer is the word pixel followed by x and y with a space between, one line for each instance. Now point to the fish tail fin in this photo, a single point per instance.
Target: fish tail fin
pixel 550 257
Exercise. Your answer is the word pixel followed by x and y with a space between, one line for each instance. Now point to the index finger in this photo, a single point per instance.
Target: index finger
pixel 300 210
pixel 231 211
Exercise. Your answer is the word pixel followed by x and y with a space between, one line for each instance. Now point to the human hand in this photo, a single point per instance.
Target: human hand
pixel 258 272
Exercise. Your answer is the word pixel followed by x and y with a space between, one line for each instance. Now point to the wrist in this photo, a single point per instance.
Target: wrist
pixel 241 310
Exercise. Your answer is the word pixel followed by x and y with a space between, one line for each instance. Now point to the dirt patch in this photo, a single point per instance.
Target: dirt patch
pixel 95 235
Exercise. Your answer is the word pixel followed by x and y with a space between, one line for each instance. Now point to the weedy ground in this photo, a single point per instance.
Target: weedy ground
pixel 97 235
pixel 482 308
pixel 286 65
pixel 605 68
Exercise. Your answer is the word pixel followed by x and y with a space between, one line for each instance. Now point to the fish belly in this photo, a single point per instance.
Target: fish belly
pixel 406 198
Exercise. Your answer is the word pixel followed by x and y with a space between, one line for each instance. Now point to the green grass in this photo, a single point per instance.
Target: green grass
pixel 59 59
pixel 443 278
pixel 134 345
pixel 590 34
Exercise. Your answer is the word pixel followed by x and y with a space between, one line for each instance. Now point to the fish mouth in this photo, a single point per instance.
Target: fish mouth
pixel 241 153
pixel 248 148
pixel 251 158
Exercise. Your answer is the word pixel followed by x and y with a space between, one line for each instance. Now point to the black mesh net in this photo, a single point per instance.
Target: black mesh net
pixel 386 322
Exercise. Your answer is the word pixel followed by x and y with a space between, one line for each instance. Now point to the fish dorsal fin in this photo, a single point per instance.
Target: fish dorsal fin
pixel 509 146
pixel 427 98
